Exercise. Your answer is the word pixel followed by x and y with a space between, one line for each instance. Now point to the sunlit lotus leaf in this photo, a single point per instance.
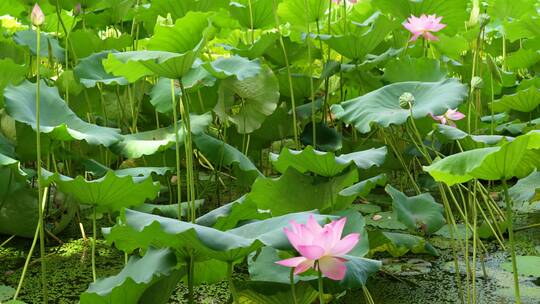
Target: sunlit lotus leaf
pixel 382 107
pixel 523 101
pixel 254 14
pixel 172 50
pixel 295 192
pixel 517 158
pixel 109 193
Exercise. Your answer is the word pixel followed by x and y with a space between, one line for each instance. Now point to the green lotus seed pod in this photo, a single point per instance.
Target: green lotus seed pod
pixel 406 100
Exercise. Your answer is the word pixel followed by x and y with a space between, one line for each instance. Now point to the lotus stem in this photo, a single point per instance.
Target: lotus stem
pixel 7 241
pixel 31 251
pixel 232 288
pixel 250 7
pixel 367 295
pixel 509 218
pixel 320 284
pixel 188 147
pixel 293 286
pixel 289 76
pixel 38 168
pixel 94 239
pixel 311 85
pixel 177 151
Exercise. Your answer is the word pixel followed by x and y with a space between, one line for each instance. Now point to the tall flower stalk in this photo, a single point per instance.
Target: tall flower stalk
pixel 37 18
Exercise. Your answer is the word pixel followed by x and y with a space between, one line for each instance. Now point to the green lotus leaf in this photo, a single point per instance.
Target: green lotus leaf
pixel 257 48
pixel 517 158
pixel 12 73
pixel 448 133
pixel 253 14
pixel 526 189
pixel 528 26
pixel 85 42
pixel 172 50
pixel 357 45
pixel 136 64
pixel 240 67
pixel 522 59
pixel 90 71
pixel 524 101
pixel 246 103
pixel 326 163
pixel 150 142
pixel 296 13
pixel 28 38
pixel 504 9
pixel 179 9
pixel 363 188
pixel 170 211
pixel 134 280
pixel 230 215
pixel 381 107
pixel 142 230
pixel 160 95
pixel 516 127
pixel 195 78
pixel 109 193
pixel 418 213
pixel 414 69
pixel 398 244
pixel 56 118
pixel 358 271
pixel 188 35
pixel 295 192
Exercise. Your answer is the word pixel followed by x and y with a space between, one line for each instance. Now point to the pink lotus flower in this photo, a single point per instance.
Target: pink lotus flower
pixel 449 117
pixel 424 26
pixel 36 16
pixel 321 248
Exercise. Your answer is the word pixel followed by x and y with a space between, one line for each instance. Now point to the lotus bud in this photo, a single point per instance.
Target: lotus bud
pixel 477 83
pixel 37 17
pixel 77 10
pixel 406 100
